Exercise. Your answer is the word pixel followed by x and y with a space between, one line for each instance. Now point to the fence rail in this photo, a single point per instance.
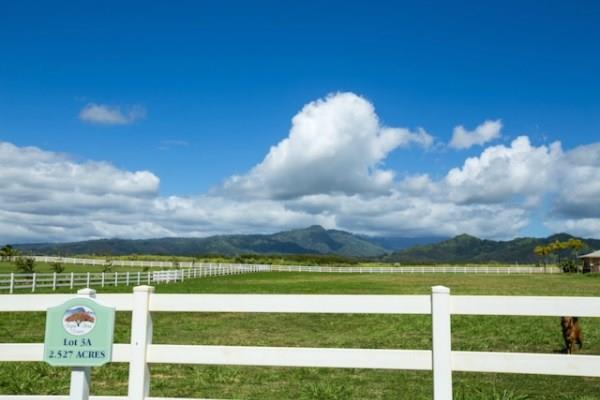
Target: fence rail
pixel 421 269
pixel 12 282
pixel 441 360
pixel 113 262
pixel 442 268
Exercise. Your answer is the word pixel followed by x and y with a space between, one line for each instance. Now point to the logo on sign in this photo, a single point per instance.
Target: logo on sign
pixel 79 320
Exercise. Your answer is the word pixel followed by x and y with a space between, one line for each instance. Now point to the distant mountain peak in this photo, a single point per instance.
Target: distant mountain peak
pixel 560 236
pixel 465 236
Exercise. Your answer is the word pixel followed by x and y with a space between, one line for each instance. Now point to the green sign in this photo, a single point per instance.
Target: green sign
pixel 79 333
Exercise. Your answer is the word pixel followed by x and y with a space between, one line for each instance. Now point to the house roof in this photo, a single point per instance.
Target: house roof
pixel 595 254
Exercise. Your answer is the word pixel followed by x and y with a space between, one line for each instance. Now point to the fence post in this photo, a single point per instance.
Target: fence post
pixel 141 337
pixel 72 278
pixel 102 279
pixel 88 280
pixel 80 376
pixel 54 281
pixel 442 350
pixel 33 282
pixel 116 278
pixel 139 278
pixel 127 278
pixel 80 383
pixel 12 282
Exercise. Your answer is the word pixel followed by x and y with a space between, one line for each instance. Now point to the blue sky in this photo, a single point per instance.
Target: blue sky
pixel 202 91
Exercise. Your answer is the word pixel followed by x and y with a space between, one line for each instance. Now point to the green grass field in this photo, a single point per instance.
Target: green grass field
pixel 526 334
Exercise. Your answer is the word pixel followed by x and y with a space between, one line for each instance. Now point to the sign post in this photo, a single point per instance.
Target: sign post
pixel 79 334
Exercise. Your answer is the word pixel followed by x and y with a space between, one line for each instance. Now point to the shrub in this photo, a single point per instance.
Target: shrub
pixel 107 265
pixel 568 266
pixel 25 265
pixel 57 267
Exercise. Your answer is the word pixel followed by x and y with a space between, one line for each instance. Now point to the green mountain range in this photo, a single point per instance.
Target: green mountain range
pixel 312 240
pixel 469 249
pixel 316 240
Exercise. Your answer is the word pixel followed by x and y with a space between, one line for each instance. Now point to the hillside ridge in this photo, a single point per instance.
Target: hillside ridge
pixel 315 239
pixel 312 240
pixel 465 248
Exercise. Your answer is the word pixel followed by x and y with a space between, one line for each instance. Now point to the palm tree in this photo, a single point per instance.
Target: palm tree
pixel 543 251
pixel 556 247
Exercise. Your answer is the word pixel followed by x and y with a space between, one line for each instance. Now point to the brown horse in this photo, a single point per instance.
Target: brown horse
pixel 571 332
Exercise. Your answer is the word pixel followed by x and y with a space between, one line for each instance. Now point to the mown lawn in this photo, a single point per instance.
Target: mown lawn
pixel 530 334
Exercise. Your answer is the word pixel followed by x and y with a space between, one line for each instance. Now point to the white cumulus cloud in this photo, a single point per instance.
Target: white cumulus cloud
pixel 578 176
pixel 577 207
pixel 111 115
pixel 502 173
pixel 335 145
pixel 486 132
pixel 47 196
pixel 409 214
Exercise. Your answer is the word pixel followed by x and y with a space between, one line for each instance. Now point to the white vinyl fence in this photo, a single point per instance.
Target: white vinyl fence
pixel 114 262
pixel 422 269
pixel 12 282
pixel 440 359
pixel 442 268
